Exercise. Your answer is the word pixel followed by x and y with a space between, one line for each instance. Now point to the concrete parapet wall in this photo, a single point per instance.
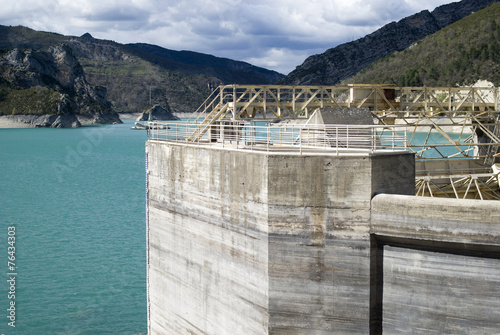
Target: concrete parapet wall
pixel 435 266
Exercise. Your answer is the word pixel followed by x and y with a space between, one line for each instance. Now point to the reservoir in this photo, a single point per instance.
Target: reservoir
pixel 77 200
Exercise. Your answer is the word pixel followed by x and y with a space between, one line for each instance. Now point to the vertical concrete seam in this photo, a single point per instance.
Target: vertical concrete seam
pixel 147 242
pixel 268 241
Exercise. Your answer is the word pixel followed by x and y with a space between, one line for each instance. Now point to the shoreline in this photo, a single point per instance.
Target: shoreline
pixel 125 116
pixel 26 121
pixel 9 122
pixel 18 121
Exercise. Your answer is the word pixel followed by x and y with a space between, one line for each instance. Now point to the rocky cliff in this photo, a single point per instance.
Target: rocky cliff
pixel 345 60
pixel 48 89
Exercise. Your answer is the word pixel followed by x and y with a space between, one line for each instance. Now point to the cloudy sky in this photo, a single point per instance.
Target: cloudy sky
pixel 275 34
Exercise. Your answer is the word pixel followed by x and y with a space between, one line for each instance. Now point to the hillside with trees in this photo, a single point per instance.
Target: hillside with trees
pixel 346 60
pixel 460 54
pixel 48 89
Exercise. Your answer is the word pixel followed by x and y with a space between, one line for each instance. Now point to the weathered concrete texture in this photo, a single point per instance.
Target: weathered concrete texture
pixel 319 255
pixel 268 243
pixel 208 250
pixel 261 243
pixel 437 219
pixel 436 265
pixel 342 115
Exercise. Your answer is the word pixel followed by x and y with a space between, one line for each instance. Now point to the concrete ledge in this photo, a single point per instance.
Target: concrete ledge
pixel 435 266
pixel 291 150
pixel 436 219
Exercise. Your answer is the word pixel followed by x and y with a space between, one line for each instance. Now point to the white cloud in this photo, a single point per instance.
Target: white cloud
pixel 279 59
pixel 277 34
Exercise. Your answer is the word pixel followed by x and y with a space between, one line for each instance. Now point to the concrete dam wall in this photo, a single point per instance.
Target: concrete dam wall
pixel 273 242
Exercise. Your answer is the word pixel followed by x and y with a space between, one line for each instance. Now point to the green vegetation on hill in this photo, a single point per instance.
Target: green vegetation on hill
pixel 460 54
pixel 34 100
pixel 26 38
pixel 346 60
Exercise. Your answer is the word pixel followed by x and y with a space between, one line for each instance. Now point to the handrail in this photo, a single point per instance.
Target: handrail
pixel 464 110
pixel 338 138
pixel 204 105
pixel 372 137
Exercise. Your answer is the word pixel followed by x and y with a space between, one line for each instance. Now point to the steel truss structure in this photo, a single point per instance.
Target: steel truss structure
pixel 442 123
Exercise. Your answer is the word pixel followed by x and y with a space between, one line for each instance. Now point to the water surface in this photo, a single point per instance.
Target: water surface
pixel 77 200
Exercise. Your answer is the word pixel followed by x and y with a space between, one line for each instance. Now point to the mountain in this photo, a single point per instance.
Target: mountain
pixel 460 54
pixel 345 60
pixel 136 76
pixel 194 63
pixel 48 89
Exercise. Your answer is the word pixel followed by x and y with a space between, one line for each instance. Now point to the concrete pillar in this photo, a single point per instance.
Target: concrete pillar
pixel 262 243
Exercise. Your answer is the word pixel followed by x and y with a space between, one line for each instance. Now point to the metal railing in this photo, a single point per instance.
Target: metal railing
pixel 458 122
pixel 291 137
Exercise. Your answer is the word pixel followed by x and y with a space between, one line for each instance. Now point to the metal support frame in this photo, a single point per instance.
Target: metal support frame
pixel 429 115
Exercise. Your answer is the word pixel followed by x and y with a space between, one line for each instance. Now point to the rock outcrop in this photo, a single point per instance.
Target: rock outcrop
pixel 345 60
pixel 157 113
pixel 49 88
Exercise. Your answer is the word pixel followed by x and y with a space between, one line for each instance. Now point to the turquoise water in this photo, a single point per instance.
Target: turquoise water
pixel 77 200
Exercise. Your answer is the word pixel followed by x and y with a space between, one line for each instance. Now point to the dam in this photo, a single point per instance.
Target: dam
pixel 257 231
